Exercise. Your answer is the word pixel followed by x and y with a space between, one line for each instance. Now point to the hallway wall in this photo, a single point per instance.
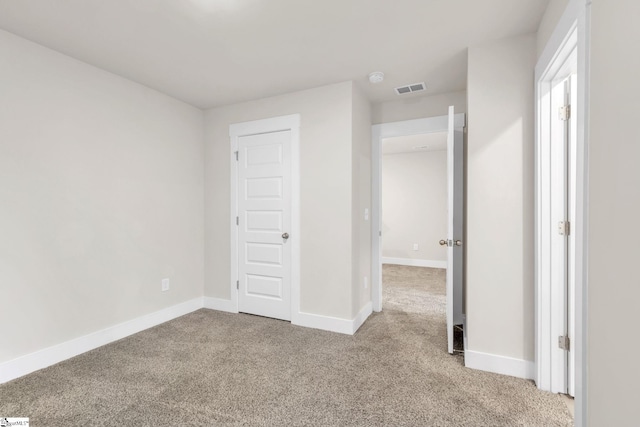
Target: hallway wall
pixel 500 287
pixel 614 180
pixel 414 206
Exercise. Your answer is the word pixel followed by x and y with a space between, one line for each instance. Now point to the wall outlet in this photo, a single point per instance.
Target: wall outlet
pixel 366 214
pixel 366 282
pixel 415 246
pixel 165 285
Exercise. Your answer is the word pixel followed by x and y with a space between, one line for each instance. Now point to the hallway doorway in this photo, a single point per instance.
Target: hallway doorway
pixel 453 126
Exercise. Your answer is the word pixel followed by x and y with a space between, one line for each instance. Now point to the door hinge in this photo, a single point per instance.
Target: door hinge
pixel 565 113
pixel 236 153
pixel 237 220
pixel 237 284
pixel 564 342
pixel 564 228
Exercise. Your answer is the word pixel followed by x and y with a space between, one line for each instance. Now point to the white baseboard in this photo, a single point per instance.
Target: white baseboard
pixel 41 359
pixel 362 316
pixel 333 324
pixel 325 323
pixel 499 364
pixel 220 304
pixel 415 262
pixel 26 364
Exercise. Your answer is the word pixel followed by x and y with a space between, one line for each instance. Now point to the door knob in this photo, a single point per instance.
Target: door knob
pixel 285 236
pixel 458 242
pixel 443 242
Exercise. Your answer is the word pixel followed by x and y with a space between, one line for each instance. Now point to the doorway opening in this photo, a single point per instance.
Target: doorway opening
pixel 560 211
pixel 446 133
pixel 561 236
pixel 557 224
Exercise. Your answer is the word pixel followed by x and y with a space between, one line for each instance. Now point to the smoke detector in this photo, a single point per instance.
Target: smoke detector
pixel 414 87
pixel 376 77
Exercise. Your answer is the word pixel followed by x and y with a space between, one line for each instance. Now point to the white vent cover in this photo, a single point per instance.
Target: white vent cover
pixel 415 87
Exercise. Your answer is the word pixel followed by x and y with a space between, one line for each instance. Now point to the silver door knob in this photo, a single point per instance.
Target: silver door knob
pixel 443 242
pixel 458 242
pixel 285 236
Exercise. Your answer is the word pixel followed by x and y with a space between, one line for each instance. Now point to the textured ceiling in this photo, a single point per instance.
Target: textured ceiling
pixel 217 52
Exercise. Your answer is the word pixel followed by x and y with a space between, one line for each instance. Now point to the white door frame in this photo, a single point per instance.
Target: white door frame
pixel 380 132
pixel 275 124
pixel 572 32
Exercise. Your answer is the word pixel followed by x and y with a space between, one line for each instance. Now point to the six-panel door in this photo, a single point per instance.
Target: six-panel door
pixel 264 209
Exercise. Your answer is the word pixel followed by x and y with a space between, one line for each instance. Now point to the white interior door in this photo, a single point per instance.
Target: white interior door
pixel 264 223
pixel 563 202
pixel 455 252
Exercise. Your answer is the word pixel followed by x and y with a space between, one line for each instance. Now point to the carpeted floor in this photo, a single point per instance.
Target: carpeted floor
pixel 217 369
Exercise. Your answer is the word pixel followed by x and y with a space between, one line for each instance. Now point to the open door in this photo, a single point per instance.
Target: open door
pixel 455 252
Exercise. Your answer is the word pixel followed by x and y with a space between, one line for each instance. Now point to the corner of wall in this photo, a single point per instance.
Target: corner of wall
pixel 361 202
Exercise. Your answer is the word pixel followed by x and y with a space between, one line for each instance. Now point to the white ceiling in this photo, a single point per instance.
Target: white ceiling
pixel 436 141
pixel 217 52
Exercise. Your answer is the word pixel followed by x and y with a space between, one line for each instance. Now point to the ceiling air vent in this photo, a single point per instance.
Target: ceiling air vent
pixel 415 87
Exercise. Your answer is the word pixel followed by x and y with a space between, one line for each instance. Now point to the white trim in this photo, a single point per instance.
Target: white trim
pixel 334 324
pixel 295 218
pixel 499 364
pixel 582 217
pixel 274 124
pixel 220 304
pixel 566 24
pixel 378 133
pixel 41 359
pixel 362 315
pixel 576 16
pixel 414 262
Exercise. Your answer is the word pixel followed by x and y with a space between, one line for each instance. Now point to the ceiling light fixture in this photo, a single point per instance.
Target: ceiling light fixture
pixel 376 77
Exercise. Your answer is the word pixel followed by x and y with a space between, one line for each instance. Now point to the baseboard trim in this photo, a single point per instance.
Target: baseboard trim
pixel 325 323
pixel 363 315
pixel 333 324
pixel 415 262
pixel 220 304
pixel 41 359
pixel 499 364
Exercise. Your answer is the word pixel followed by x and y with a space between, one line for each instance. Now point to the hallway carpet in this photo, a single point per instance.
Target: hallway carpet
pixel 211 368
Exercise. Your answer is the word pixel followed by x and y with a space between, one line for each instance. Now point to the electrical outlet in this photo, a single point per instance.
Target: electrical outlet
pixel 366 214
pixel 366 282
pixel 415 246
pixel 165 285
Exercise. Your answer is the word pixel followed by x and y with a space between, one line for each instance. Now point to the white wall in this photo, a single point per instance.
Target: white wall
pixel 614 209
pixel 500 292
pixel 361 199
pixel 418 107
pixel 326 165
pixel 414 205
pixel 101 187
pixel 550 19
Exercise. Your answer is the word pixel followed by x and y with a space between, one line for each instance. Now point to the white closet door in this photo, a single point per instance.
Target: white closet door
pixel 264 221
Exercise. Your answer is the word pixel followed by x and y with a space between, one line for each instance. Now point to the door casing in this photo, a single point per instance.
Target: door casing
pixel 572 32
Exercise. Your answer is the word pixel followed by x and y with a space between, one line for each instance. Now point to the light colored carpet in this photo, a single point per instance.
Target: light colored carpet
pixel 218 369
